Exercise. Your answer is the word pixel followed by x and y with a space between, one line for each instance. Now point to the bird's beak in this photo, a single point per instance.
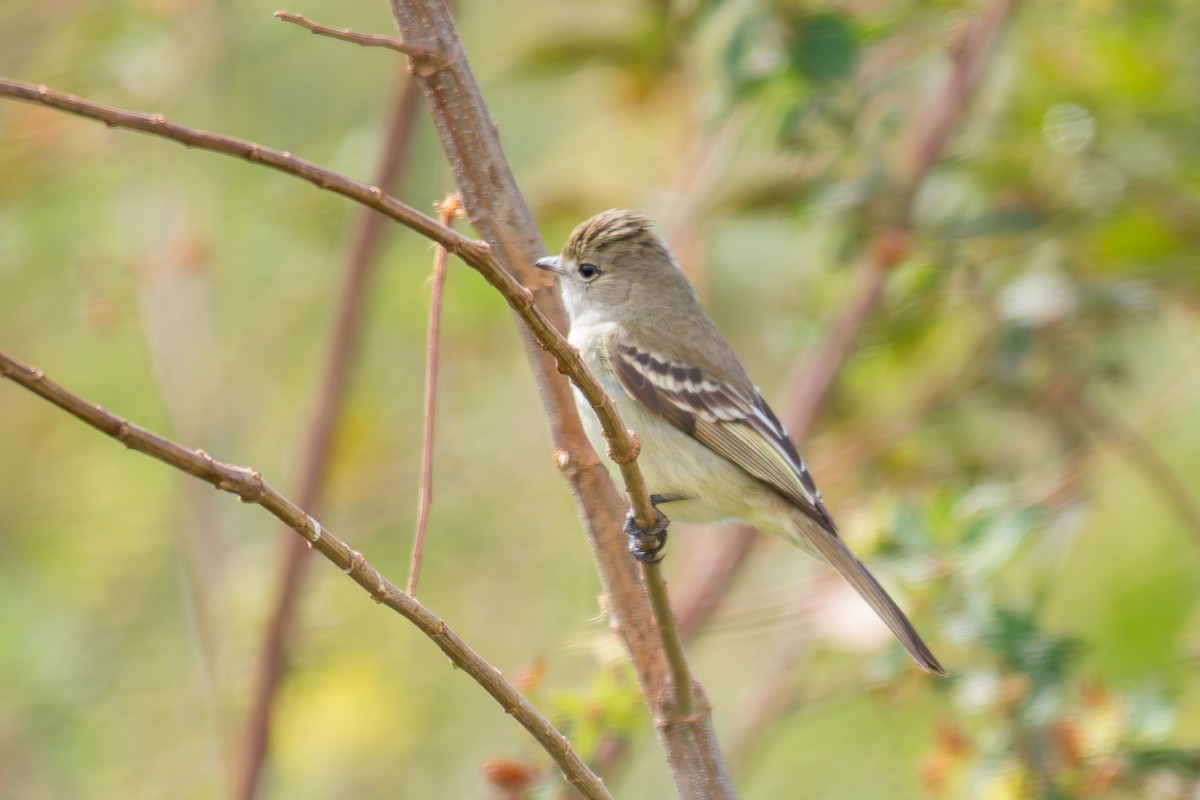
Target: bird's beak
pixel 550 264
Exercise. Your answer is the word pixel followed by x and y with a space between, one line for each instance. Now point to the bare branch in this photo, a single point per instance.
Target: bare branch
pixel 347 35
pixel 249 485
pixel 495 205
pixel 475 254
pixel 448 209
pixel 693 753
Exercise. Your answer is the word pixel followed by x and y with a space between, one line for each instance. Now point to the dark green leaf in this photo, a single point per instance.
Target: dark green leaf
pixel 823 48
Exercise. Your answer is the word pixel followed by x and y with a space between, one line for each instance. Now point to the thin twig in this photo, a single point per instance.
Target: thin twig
pixel 330 388
pixel 448 209
pixel 249 485
pixel 681 678
pixel 478 255
pixel 347 35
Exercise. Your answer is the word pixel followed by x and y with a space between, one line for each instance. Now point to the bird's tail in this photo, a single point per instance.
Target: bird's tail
pixel 830 547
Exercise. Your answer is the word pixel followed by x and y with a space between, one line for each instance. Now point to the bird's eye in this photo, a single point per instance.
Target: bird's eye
pixel 588 271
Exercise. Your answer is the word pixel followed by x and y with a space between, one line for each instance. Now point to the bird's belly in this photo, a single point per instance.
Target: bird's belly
pixel 701 485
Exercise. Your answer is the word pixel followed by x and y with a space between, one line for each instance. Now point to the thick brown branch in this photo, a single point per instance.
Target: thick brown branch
pixel 495 206
pixel 249 485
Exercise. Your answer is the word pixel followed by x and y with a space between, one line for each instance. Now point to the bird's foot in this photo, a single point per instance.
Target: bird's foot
pixel 647 546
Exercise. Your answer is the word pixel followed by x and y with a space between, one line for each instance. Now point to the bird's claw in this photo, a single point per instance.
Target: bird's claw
pixel 647 546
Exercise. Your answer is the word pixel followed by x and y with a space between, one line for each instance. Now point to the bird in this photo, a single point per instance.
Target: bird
pixel 712 450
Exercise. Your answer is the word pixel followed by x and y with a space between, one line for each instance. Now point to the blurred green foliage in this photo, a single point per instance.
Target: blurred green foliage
pixel 1014 446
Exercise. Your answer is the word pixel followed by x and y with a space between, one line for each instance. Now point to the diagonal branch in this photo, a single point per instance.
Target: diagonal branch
pixel 249 485
pixel 475 254
pixel 693 752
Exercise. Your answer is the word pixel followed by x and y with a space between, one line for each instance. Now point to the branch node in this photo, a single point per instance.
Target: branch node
pixel 316 529
pixel 257 488
pixel 527 298
pixel 356 561
pixel 450 207
pixel 483 248
pixel 380 594
pixel 425 63
pixel 635 447
pixel 565 367
pixel 375 192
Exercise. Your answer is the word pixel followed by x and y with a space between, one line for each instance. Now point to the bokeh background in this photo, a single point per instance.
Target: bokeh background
pixel 1013 445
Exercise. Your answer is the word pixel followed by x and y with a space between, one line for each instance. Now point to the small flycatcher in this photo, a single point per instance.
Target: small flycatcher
pixel 710 445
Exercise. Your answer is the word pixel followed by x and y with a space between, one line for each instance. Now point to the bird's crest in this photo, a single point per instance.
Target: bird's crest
pixel 605 228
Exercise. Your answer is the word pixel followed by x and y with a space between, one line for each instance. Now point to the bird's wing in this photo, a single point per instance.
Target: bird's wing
pixel 734 422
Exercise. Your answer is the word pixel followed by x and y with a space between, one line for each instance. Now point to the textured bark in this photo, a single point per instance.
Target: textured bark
pixel 496 208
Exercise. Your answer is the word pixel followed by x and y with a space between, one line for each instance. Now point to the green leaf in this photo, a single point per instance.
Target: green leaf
pixel 1184 762
pixel 823 48
pixel 750 57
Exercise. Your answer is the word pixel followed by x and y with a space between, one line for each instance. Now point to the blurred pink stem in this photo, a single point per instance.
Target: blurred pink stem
pixel 448 209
